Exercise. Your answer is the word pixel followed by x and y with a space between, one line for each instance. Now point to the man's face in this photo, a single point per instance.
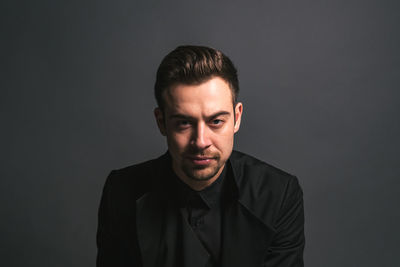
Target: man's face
pixel 199 123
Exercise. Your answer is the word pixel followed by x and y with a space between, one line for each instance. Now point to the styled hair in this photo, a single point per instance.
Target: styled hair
pixel 194 65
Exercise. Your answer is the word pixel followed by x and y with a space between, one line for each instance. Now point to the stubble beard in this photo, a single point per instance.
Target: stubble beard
pixel 202 173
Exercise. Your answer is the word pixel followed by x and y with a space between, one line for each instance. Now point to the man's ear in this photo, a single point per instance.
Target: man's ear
pixel 159 115
pixel 238 116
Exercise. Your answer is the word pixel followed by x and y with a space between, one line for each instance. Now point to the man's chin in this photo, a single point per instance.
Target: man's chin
pixel 201 174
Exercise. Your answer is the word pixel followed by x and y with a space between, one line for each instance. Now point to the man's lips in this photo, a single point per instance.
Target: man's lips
pixel 201 160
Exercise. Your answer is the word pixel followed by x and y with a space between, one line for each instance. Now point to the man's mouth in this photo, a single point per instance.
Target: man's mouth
pixel 201 160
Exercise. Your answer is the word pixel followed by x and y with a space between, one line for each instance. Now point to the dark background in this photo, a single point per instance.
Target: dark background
pixel 320 86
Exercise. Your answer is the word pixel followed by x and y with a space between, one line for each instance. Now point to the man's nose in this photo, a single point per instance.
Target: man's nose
pixel 201 137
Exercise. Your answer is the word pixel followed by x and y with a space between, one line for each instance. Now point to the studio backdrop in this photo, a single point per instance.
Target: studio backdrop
pixel 319 83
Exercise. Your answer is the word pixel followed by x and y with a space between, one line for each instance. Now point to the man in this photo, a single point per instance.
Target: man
pixel 200 204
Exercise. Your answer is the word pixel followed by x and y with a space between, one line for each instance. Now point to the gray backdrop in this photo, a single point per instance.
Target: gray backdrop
pixel 320 86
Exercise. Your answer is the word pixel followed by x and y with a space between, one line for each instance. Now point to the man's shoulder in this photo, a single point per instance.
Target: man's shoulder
pixel 263 187
pixel 143 167
pixel 251 163
pixel 253 172
pixel 135 179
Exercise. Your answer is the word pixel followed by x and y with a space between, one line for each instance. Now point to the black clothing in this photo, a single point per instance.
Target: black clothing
pixel 203 212
pixel 262 222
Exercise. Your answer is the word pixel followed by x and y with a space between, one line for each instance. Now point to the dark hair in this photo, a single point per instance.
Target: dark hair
pixel 193 65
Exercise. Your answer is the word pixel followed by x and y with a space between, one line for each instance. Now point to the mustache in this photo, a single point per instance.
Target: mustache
pixel 201 153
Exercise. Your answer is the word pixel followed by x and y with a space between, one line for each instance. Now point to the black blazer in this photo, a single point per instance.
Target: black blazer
pixel 264 225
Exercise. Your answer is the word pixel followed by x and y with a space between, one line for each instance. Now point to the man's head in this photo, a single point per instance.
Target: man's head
pixel 194 65
pixel 196 91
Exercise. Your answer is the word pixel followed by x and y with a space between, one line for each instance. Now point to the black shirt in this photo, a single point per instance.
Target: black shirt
pixel 203 212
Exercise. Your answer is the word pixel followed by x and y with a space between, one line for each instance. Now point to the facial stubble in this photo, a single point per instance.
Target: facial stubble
pixel 194 172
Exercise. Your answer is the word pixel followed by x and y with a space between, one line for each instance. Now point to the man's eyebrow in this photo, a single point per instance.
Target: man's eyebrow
pixel 186 117
pixel 219 113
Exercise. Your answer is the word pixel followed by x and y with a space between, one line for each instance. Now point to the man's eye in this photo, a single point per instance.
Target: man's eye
pixel 217 122
pixel 183 123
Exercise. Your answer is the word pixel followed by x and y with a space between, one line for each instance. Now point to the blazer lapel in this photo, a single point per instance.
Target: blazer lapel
pixel 150 216
pixel 156 220
pixel 246 237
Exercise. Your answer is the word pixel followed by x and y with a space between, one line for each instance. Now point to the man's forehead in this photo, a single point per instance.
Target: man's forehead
pixel 207 98
pixel 207 109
